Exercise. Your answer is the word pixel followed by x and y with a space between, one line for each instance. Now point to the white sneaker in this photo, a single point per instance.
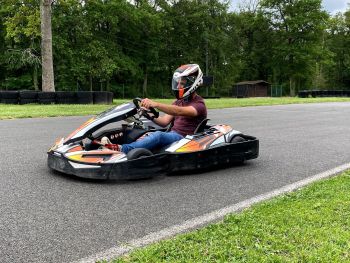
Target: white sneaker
pixel 105 141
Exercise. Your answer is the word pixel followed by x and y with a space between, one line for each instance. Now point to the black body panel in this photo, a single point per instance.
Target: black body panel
pixel 220 156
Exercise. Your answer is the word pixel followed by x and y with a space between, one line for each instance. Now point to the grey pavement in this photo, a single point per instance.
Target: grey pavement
pixel 50 217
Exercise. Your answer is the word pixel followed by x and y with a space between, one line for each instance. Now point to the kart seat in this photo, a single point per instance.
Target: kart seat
pixel 200 128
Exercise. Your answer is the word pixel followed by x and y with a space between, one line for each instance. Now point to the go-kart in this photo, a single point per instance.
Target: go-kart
pixel 82 154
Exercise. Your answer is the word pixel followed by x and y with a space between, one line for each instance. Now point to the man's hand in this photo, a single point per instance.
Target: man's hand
pixel 147 103
pixel 172 110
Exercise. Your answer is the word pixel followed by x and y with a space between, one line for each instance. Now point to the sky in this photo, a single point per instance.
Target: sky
pixel 332 6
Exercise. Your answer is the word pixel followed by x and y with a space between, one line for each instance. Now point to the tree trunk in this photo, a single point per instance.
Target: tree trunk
pixel 144 86
pixel 108 85
pixel 90 82
pixel 291 86
pixel 46 46
pixel 35 77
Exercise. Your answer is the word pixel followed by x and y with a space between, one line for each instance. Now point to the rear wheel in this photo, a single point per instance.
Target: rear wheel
pixel 138 153
pixel 237 139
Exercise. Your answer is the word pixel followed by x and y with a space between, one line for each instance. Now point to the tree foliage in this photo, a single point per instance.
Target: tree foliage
pixel 133 47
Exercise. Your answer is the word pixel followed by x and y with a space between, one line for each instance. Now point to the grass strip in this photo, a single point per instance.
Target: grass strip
pixel 8 111
pixel 309 225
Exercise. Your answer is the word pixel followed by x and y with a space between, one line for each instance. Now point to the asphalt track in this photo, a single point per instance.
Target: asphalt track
pixel 49 217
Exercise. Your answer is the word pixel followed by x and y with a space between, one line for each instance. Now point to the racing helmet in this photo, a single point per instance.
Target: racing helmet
pixel 186 80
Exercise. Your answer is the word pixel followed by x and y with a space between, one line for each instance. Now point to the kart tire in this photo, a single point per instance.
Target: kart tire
pixel 237 139
pixel 47 101
pixel 28 101
pixel 47 97
pixel 65 97
pixel 28 94
pixel 9 95
pixel 138 153
pixel 9 101
pixel 110 96
pixel 85 97
pixel 100 97
pixel 26 97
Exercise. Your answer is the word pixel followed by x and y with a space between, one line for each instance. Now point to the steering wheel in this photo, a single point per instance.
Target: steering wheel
pixel 145 112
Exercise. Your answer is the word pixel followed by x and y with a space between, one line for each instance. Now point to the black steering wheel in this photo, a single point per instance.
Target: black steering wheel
pixel 146 112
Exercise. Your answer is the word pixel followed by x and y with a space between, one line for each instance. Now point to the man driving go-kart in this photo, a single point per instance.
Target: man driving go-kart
pixel 134 149
pixel 186 113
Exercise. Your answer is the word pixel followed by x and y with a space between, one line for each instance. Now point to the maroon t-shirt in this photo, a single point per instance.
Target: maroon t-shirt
pixel 187 125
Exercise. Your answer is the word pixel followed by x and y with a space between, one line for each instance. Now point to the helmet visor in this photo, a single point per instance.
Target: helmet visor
pixel 179 83
pixel 178 86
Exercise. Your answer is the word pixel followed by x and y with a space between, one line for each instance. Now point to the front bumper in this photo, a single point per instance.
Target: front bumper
pixel 58 162
pixel 141 168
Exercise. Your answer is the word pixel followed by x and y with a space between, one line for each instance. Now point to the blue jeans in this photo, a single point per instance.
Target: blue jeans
pixel 154 140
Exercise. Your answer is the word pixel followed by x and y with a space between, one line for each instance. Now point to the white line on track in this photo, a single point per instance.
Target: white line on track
pixel 207 218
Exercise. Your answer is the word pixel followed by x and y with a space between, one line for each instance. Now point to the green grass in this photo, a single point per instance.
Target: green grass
pixel 35 110
pixel 309 225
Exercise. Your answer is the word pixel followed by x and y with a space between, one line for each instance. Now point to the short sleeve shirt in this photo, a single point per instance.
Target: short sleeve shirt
pixel 186 125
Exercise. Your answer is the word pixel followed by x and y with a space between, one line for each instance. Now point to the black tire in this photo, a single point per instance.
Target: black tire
pixel 302 94
pixel 237 139
pixel 138 153
pixel 28 101
pixel 110 96
pixel 9 95
pixel 28 94
pixel 47 97
pixel 9 101
pixel 47 101
pixel 85 97
pixel 66 97
pixel 26 97
pixel 100 97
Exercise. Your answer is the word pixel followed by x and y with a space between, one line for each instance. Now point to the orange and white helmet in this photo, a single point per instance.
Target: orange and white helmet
pixel 186 80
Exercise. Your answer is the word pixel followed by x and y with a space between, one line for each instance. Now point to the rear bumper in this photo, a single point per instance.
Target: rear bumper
pixel 221 156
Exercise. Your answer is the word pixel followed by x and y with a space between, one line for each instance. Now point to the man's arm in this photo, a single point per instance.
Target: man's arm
pixel 173 110
pixel 164 120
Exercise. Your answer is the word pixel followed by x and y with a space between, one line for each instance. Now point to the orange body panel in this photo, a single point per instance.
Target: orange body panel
pixel 199 144
pixel 94 156
pixel 80 128
pixel 75 149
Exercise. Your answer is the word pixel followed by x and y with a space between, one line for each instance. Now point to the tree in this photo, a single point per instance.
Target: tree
pixel 21 21
pixel 337 41
pixel 48 83
pixel 298 30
